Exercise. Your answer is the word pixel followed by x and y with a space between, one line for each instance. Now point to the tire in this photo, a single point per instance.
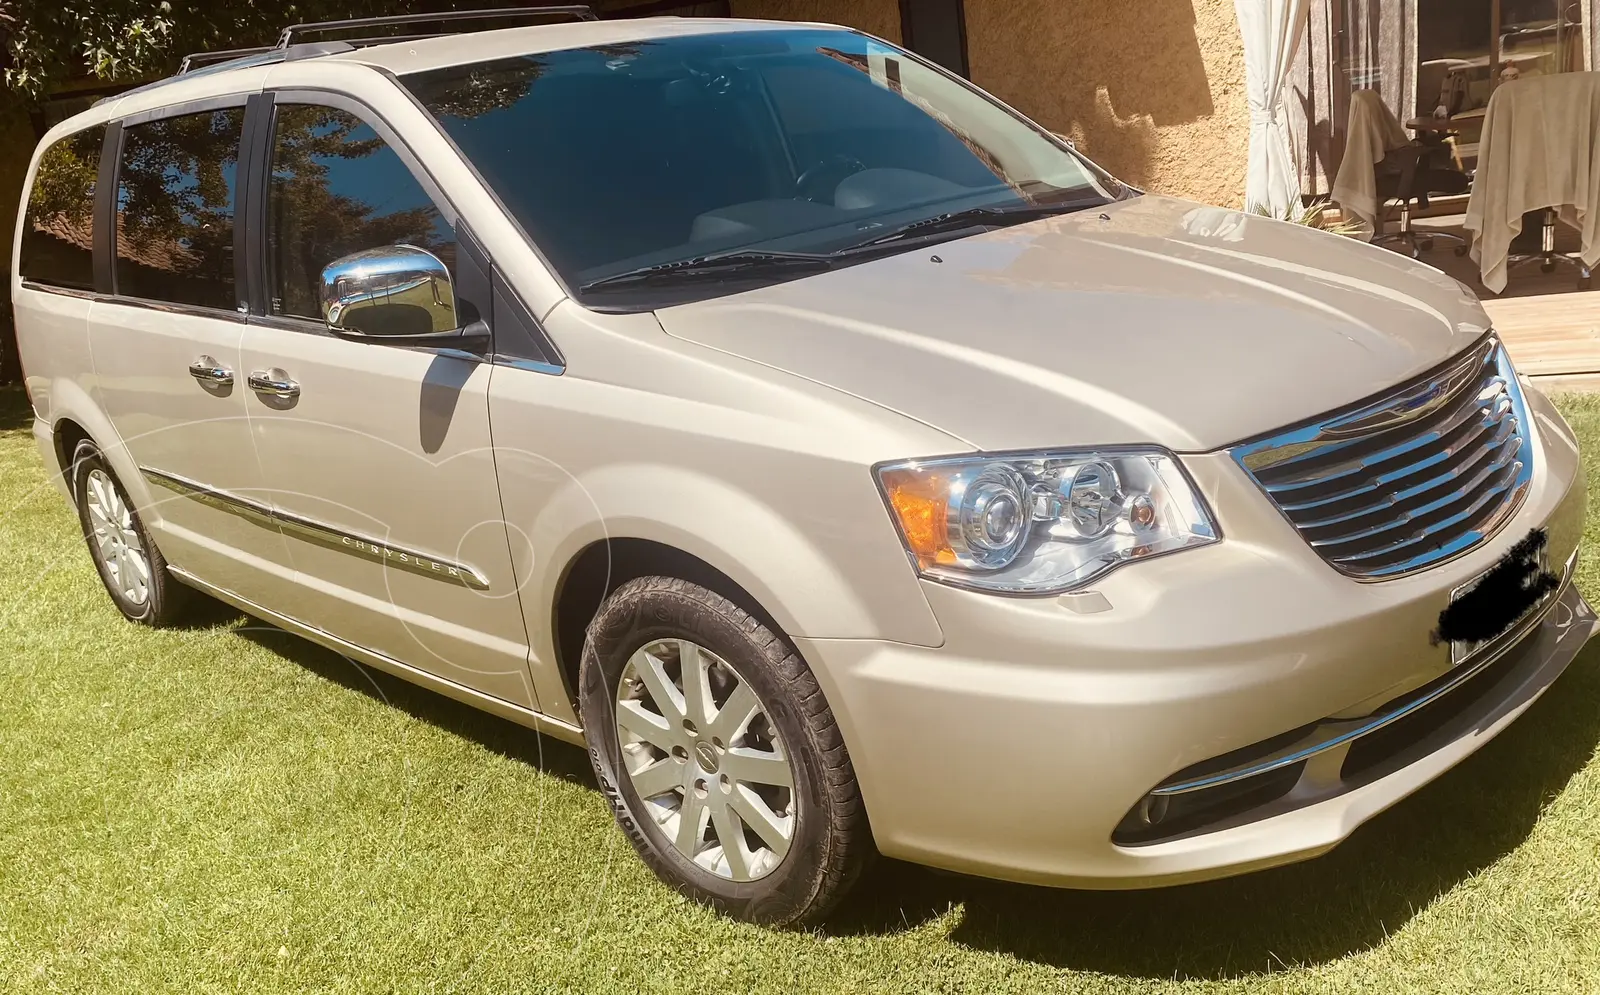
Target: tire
pixel 155 598
pixel 829 842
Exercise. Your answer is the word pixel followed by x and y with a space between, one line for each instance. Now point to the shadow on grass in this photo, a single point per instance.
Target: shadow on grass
pixel 507 738
pixel 1345 902
pixel 14 410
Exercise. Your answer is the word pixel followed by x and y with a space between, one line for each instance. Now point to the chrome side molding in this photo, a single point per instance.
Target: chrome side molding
pixel 353 543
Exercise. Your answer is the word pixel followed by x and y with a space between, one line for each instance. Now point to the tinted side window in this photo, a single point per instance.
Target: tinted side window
pixel 175 200
pixel 58 228
pixel 337 188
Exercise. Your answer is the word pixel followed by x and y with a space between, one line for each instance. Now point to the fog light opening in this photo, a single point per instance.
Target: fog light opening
pixel 1153 809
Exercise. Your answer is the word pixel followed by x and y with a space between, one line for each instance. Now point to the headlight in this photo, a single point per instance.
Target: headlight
pixel 1042 523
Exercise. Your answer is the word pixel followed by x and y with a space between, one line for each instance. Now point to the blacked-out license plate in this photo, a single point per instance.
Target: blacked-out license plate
pixel 1497 599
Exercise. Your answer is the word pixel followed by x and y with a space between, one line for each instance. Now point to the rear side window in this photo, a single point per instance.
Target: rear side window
pixel 175 203
pixel 338 188
pixel 58 228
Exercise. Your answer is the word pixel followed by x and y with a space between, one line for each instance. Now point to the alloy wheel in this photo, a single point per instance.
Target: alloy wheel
pixel 116 540
pixel 705 759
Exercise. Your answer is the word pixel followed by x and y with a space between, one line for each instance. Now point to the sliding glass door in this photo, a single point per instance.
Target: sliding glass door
pixel 1427 56
pixel 1542 36
pixel 1376 45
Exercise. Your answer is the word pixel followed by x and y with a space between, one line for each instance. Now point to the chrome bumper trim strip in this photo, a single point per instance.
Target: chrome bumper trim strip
pixel 353 543
pixel 1332 735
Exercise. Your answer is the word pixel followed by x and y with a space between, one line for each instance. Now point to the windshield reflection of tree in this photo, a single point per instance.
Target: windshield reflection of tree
pixel 495 86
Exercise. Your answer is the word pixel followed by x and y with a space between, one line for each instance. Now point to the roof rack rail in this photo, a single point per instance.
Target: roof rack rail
pixel 195 60
pixel 578 12
pixel 288 49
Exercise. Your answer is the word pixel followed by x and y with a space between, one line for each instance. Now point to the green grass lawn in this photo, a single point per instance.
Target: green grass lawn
pixel 230 808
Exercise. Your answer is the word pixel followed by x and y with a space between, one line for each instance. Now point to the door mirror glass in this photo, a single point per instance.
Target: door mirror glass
pixel 396 290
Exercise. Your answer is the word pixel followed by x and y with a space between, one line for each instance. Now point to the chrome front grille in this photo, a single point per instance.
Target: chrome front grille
pixel 1416 477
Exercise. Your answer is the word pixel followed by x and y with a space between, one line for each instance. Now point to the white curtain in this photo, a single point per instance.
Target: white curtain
pixel 1272 30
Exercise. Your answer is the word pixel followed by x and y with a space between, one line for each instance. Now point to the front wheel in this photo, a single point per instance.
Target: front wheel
pixel 721 760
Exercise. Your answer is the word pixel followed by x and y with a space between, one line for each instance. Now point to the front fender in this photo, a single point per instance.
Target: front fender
pixel 809 590
pixel 847 580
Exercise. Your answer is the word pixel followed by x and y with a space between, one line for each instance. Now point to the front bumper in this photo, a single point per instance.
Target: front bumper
pixel 1018 748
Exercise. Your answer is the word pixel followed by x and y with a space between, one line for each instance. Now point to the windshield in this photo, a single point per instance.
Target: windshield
pixel 796 140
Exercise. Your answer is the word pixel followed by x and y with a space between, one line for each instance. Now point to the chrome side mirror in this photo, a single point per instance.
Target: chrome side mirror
pixel 396 294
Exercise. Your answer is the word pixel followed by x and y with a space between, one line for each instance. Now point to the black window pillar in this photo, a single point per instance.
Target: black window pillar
pixel 936 30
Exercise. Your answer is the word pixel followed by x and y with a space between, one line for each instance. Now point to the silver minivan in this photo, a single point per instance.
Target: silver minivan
pixel 847 462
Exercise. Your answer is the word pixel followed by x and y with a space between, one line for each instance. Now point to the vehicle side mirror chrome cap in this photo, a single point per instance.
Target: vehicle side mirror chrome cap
pixel 391 290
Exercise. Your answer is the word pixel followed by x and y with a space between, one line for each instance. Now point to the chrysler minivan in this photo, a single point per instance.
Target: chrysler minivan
pixel 846 461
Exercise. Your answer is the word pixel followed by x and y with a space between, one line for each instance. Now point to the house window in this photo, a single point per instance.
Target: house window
pixel 1467 47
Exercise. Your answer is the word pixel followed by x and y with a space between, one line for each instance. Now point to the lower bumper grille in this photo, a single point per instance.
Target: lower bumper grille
pixel 1226 789
pixel 1415 477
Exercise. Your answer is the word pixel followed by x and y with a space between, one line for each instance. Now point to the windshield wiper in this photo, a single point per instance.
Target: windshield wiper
pixel 719 266
pixel 977 217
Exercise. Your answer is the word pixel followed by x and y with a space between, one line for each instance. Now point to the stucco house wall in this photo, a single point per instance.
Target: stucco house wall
pixel 1151 89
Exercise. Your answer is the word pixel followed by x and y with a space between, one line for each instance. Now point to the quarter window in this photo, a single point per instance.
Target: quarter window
pixel 175 205
pixel 58 227
pixel 337 188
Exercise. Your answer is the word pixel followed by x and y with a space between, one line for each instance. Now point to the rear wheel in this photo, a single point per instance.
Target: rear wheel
pixel 131 567
pixel 721 760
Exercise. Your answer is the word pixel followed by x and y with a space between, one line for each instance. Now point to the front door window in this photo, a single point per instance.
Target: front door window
pixel 338 188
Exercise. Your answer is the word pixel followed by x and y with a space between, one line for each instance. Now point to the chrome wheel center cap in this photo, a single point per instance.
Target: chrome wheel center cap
pixel 707 755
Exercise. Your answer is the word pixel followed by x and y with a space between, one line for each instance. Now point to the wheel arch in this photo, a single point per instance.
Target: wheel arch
pixel 74 416
pixel 65 436
pixel 606 564
pixel 848 581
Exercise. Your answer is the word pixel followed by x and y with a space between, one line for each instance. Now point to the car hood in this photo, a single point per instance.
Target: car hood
pixel 1151 320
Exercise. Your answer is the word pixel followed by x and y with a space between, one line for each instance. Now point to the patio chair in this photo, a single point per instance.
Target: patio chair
pixel 1536 157
pixel 1411 172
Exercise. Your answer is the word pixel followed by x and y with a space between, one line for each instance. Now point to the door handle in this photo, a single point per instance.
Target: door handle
pixel 209 371
pixel 273 383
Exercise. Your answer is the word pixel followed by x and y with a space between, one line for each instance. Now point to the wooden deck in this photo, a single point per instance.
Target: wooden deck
pixel 1551 328
pixel 1554 336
